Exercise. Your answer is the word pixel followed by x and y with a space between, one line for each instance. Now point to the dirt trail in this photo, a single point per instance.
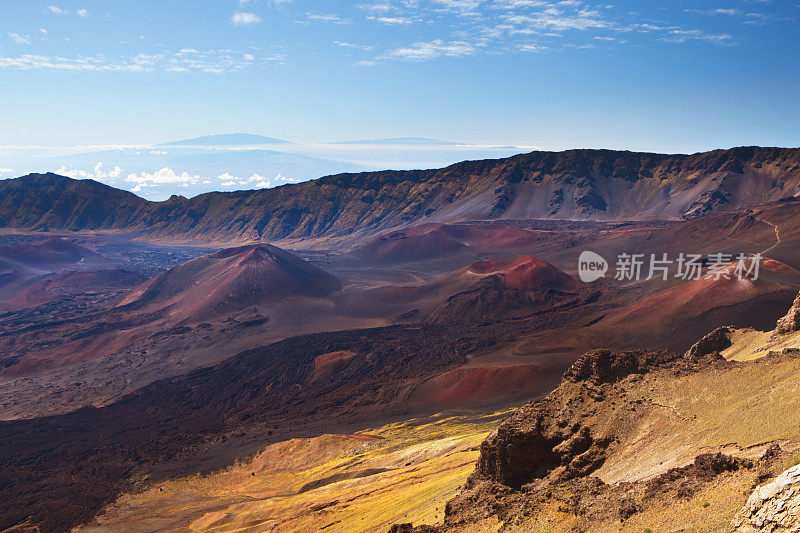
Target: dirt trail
pixel 777 235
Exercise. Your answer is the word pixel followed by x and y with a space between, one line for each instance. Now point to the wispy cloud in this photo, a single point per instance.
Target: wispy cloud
pixel 391 20
pixel 241 18
pixel 56 10
pixel 186 60
pixel 421 51
pixel 713 12
pixel 458 5
pixel 511 26
pixel 20 39
pixel 83 13
pixel 352 45
pixel 326 17
pixel 682 36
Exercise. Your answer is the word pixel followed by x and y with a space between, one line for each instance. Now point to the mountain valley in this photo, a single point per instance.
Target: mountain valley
pixel 370 343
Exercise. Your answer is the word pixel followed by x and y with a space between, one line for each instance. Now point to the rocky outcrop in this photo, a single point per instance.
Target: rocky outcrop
pixel 791 322
pixel 519 453
pixel 716 341
pixel 682 482
pixel 773 507
pixel 567 434
pixel 604 366
pixel 556 436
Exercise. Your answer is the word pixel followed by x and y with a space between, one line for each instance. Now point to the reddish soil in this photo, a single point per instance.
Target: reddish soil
pixel 469 385
pixel 329 363
pixel 526 273
pixel 50 251
pixel 231 280
pixel 365 438
pixel 414 244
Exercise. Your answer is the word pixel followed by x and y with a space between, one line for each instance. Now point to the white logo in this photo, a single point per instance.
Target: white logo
pixel 591 266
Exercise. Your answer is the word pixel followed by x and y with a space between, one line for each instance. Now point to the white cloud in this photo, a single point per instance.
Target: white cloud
pixel 96 173
pixel 56 10
pixel 513 4
pixel 422 51
pixel 682 36
pixel 713 12
pixel 6 170
pixel 255 180
pixel 391 20
pixel 241 18
pixel 44 31
pixel 535 48
pixel 510 26
pixel 83 13
pixel 354 46
pixel 378 7
pixel 553 19
pixel 458 5
pixel 162 176
pixel 20 39
pixel 186 60
pixel 334 19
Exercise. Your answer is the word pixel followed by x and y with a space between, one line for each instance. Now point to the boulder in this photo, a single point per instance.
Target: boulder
pixel 791 322
pixel 773 507
pixel 716 341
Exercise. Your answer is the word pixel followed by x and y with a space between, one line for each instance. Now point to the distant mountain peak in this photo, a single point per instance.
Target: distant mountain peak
pixel 227 139
pixel 401 141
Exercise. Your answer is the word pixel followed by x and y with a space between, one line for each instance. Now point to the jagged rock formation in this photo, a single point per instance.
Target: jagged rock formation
pixel 716 341
pixel 574 459
pixel 791 322
pixel 574 184
pixel 552 436
pixel 773 507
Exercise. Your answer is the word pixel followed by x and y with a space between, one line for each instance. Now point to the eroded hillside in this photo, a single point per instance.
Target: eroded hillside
pixel 571 185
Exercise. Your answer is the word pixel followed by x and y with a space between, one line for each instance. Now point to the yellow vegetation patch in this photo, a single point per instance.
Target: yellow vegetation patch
pixel 749 344
pixel 335 482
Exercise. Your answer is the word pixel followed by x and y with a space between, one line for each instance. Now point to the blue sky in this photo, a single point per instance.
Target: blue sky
pixel 665 75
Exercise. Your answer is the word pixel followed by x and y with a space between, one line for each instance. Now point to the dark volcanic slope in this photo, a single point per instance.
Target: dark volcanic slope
pixel 575 184
pixel 61 470
pixel 50 252
pixel 49 201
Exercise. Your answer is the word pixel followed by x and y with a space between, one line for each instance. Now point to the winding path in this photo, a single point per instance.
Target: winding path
pixel 777 235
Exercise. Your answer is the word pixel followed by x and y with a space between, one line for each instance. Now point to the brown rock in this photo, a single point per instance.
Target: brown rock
pixel 791 322
pixel 716 341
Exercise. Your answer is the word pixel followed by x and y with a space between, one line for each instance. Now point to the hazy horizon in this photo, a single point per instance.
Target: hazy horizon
pixel 657 76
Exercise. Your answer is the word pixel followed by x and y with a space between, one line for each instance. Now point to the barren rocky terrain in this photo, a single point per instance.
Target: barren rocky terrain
pixel 162 367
